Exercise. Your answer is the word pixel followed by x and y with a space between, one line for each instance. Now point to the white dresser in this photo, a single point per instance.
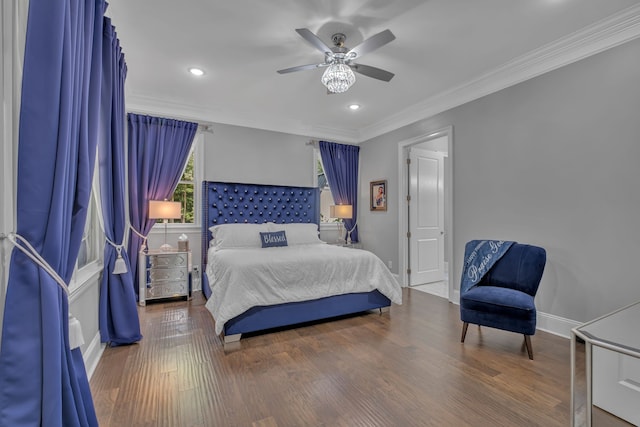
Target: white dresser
pixel 164 275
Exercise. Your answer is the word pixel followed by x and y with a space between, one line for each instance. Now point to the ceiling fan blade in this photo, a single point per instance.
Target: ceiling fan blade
pixel 371 44
pixel 314 40
pixel 302 68
pixel 369 71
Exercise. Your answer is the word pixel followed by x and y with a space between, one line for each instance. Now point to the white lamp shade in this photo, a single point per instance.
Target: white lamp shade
pixel 164 209
pixel 341 211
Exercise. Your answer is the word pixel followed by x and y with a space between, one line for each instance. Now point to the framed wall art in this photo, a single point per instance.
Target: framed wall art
pixel 378 195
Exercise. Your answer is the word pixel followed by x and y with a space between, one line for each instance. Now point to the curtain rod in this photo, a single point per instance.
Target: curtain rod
pixel 202 127
pixel 205 128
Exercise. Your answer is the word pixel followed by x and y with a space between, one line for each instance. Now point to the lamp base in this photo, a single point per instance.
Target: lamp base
pixel 166 247
pixel 340 238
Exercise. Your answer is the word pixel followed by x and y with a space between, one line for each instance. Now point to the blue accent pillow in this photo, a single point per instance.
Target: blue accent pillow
pixel 273 239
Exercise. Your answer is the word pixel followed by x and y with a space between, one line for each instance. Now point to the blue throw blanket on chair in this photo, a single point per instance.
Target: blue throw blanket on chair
pixel 479 257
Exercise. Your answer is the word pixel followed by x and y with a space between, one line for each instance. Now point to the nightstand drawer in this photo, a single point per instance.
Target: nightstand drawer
pixel 168 289
pixel 168 260
pixel 156 274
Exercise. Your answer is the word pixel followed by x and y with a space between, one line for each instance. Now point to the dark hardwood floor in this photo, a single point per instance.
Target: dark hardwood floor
pixel 405 367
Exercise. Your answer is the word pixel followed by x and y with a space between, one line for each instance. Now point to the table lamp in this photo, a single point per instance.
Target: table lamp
pixel 341 212
pixel 165 210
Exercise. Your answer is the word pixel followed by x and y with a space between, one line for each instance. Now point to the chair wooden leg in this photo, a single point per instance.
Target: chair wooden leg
pixel 527 343
pixel 464 331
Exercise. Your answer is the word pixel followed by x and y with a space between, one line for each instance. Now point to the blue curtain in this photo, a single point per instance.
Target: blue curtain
pixel 119 322
pixel 42 381
pixel 340 164
pixel 158 150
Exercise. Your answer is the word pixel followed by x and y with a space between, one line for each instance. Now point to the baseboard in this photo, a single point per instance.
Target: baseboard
pixel 456 297
pixel 556 325
pixel 93 354
pixel 546 322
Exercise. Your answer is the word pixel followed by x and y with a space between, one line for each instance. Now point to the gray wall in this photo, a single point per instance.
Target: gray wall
pixel 378 230
pixel 239 154
pixel 552 161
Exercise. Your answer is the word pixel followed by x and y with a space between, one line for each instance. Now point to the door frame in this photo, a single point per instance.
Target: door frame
pixel 448 208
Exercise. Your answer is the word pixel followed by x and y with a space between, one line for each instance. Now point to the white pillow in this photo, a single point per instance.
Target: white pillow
pixel 225 236
pixel 299 233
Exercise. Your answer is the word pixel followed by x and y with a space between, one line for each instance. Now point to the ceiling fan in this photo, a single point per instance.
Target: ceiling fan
pixel 339 60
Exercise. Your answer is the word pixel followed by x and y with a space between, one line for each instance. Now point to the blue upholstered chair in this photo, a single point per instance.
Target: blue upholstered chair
pixel 504 297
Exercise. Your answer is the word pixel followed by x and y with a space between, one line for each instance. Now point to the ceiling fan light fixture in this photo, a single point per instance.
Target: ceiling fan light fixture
pixel 338 78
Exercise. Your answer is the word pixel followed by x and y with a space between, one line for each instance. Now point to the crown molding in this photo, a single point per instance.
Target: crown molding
pixel 149 105
pixel 603 35
pixel 326 133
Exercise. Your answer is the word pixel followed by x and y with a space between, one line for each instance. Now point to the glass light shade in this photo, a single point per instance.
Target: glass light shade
pixel 341 211
pixel 164 209
pixel 338 78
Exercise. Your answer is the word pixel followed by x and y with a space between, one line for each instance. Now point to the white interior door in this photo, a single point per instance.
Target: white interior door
pixel 426 216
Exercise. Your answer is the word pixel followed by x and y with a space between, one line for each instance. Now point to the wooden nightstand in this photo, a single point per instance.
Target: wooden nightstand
pixel 164 274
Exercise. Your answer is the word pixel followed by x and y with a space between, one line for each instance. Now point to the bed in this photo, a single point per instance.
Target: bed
pixel 250 288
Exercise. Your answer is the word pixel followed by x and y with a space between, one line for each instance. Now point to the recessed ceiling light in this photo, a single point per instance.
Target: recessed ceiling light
pixel 196 71
pixel 354 107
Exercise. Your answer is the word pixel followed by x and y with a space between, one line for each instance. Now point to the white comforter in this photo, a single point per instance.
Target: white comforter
pixel 248 277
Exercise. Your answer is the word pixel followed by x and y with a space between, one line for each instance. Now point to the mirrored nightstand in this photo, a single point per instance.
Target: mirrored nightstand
pixel 164 274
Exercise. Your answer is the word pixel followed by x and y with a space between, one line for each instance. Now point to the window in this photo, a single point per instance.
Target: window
pixel 326 198
pixel 89 263
pixel 88 246
pixel 186 191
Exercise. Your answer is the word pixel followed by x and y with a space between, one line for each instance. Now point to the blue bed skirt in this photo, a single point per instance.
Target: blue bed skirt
pixel 292 313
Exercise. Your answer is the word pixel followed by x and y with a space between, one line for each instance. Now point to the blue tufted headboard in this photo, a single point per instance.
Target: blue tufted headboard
pixel 227 202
